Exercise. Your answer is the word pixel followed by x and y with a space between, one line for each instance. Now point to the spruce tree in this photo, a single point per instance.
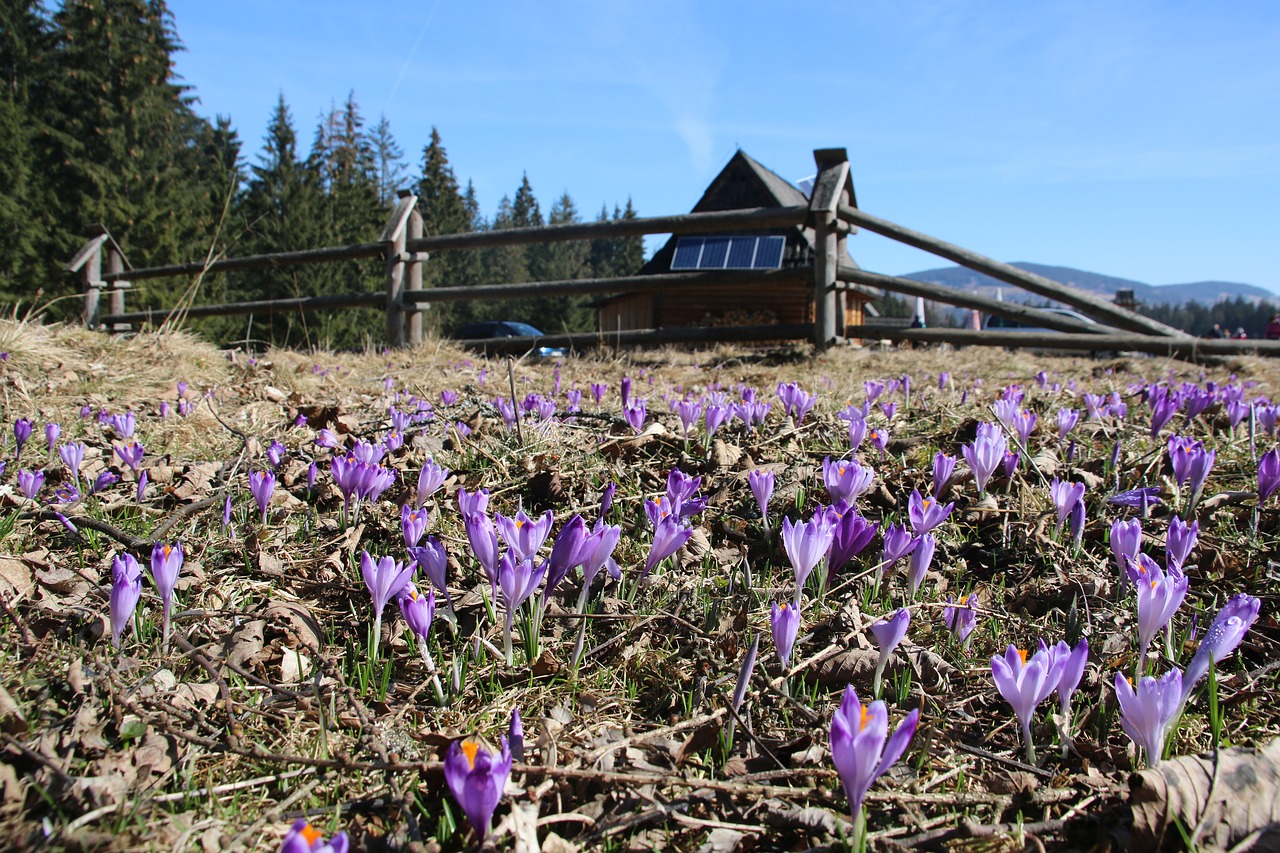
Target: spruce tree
pixel 388 160
pixel 24 37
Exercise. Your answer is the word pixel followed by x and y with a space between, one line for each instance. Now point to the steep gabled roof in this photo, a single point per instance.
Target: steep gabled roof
pixel 744 182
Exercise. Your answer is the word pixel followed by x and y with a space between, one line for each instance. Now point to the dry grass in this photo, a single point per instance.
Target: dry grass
pixel 224 741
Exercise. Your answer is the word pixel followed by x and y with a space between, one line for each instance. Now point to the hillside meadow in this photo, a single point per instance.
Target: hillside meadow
pixel 426 600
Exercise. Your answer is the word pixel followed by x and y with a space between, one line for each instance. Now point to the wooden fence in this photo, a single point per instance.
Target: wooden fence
pixel 402 248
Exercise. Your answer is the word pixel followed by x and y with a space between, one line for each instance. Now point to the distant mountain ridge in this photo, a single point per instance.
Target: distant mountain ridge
pixel 1207 292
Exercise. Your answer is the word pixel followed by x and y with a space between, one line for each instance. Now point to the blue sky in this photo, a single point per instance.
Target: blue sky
pixel 1139 139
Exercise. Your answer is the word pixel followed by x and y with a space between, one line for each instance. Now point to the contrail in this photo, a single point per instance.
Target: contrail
pixel 405 67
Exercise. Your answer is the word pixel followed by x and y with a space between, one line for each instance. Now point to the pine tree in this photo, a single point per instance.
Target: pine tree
pixel 120 143
pixel 24 37
pixel 444 211
pixel 283 207
pixel 388 160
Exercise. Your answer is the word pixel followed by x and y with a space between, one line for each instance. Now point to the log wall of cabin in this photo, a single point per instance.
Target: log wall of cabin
pixel 628 311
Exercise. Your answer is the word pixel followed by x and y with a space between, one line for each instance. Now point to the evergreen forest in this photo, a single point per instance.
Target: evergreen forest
pixel 97 130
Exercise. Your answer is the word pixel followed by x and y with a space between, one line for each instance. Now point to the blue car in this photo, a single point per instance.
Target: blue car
pixel 498 329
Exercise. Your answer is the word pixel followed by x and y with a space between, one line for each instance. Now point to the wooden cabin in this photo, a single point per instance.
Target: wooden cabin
pixel 742 183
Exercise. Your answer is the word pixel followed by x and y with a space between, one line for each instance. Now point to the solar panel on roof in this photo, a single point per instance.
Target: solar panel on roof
pixel 769 253
pixel 742 251
pixel 714 252
pixel 688 249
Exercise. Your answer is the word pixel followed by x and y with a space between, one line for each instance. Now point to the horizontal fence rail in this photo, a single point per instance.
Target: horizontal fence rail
pixel 747 219
pixel 327 254
pixel 262 306
pixel 1183 347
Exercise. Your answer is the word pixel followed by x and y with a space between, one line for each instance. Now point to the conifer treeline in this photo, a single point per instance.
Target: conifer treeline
pixel 95 128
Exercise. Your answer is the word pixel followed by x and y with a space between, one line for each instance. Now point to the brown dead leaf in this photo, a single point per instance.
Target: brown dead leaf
pixel 244 645
pixel 15 578
pixel 1223 798
pixel 11 718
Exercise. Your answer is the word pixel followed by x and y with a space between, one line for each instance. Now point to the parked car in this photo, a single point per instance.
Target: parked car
pixel 995 322
pixel 498 329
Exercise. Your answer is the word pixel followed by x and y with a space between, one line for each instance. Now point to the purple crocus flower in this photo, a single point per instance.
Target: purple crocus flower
pixel 571 549
pixel 166 563
pixel 522 534
pixel 476 779
pixel 1024 423
pixel 784 619
pixel 715 417
pixel 1064 496
pixel 888 633
pixel 624 389
pixel 1163 408
pixel 985 453
pixel 606 498
pixel 413 524
pixel 1159 598
pixel 1268 474
pixel 261 485
pixel 961 619
pixel 845 479
pixel 517 579
pixel 1145 714
pixel 598 390
pixel 483 538
pixel 898 542
pixel 806 543
pixel 1072 662
pixel 858 745
pixel 1024 684
pixel 761 482
pixel 919 563
pixel 1126 542
pixel 879 438
pixel 1147 496
pixel 669 536
pixel 430 556
pixel 1067 420
pixel 1199 466
pixel 126 589
pixel 304 838
pixel 30 483
pixel 688 411
pixel 418 611
pixel 515 735
pixel 926 513
pixel 850 535
pixel 857 431
pixel 124 424
pixel 944 379
pixel 602 542
pixel 635 416
pixel 72 455
pixel 21 432
pixel 142 487
pixel 384 578
pixel 51 432
pixel 130 454
pixel 471 503
pixel 1179 541
pixel 681 494
pixel 1222 638
pixel 943 467
pixel 276 453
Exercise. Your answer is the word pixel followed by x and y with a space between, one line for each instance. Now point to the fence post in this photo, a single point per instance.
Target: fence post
pixel 88 262
pixel 393 234
pixel 116 264
pixel 829 190
pixel 414 283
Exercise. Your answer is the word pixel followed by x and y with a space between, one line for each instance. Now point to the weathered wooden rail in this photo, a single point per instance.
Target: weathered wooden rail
pixel 831 213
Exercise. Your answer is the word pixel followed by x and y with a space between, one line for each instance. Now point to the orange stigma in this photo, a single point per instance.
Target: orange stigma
pixel 863 720
pixel 167 550
pixel 310 834
pixel 469 748
pixel 1022 653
